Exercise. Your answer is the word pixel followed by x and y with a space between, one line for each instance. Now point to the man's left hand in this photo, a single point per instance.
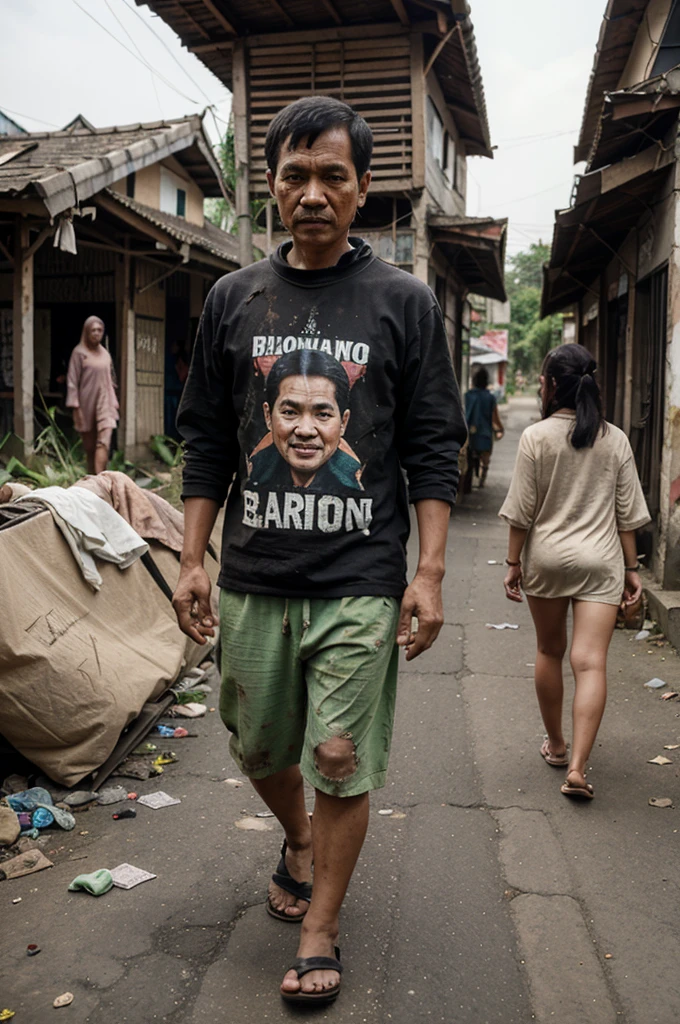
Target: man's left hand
pixel 423 600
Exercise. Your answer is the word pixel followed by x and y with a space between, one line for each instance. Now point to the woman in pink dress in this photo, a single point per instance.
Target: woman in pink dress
pixel 91 393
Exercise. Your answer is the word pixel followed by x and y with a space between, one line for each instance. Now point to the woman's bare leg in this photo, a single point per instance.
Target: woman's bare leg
pixel 550 621
pixel 102 449
pixel 593 628
pixel 101 458
pixel 88 440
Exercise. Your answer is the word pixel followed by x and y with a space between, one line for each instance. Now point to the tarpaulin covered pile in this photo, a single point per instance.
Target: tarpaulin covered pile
pixel 76 666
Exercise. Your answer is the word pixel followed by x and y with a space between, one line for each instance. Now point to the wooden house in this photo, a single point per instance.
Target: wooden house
pixel 105 221
pixel 410 67
pixel 614 266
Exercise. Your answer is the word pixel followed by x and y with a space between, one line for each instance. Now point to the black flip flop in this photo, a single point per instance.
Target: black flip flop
pixel 283 878
pixel 304 965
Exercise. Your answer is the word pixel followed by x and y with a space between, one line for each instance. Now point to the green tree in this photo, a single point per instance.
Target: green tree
pixel 221 212
pixel 530 336
pixel 525 269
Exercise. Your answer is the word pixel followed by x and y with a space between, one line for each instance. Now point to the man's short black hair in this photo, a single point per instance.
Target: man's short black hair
pixel 311 116
pixel 308 362
pixel 481 378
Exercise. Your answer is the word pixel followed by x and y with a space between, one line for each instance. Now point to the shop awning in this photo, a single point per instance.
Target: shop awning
pixel 475 248
pixel 634 117
pixel 607 204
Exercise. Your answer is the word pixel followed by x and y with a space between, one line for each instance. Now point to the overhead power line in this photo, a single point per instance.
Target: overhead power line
pixel 543 135
pixel 133 54
pixel 163 43
pixel 153 80
pixel 17 113
pixel 521 199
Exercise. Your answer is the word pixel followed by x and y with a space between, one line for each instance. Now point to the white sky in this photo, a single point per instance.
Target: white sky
pixel 536 57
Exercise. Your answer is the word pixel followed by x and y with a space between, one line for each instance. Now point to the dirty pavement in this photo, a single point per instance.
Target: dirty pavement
pixel 482 894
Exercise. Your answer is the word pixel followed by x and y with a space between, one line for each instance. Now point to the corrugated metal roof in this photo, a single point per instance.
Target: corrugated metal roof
pixel 634 117
pixel 619 27
pixel 475 248
pixel 606 209
pixel 209 238
pixel 64 168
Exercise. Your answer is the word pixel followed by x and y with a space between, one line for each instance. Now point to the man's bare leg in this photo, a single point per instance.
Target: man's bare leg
pixel 284 795
pixel 340 825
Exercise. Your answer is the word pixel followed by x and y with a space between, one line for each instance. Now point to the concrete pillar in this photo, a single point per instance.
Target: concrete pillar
pixel 22 314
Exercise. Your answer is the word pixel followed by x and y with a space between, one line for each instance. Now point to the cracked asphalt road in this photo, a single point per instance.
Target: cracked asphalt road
pixel 493 899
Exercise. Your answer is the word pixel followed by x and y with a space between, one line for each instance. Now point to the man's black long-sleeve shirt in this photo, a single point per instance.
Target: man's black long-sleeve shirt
pixel 345 532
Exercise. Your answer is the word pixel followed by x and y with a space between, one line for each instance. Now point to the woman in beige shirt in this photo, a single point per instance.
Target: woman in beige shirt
pixel 573 506
pixel 91 393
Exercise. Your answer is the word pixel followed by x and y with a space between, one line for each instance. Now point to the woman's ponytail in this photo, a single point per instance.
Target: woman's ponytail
pixel 570 369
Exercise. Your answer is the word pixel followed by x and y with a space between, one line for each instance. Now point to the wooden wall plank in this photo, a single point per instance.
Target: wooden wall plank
pixel 373 74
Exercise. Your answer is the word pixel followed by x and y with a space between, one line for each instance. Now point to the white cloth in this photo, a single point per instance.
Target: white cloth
pixel 91 527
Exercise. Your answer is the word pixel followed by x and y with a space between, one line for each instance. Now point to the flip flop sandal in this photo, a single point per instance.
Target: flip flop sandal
pixel 556 760
pixel 580 792
pixel 283 878
pixel 303 965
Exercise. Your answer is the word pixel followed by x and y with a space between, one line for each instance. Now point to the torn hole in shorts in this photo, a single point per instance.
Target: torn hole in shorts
pixel 342 761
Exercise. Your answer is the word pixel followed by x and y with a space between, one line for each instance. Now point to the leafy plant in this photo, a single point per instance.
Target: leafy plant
pixel 167 449
pixel 54 447
pixel 221 212
pixel 55 460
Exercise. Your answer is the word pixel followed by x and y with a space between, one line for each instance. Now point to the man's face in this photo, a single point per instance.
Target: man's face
pixel 306 424
pixel 317 190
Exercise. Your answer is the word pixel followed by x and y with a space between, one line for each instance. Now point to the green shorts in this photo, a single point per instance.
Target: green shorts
pixel 301 671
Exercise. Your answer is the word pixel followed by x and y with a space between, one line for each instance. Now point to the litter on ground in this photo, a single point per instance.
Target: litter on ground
pixel 112 795
pixel 157 800
pixel 127 876
pixel 502 625
pixel 655 683
pixel 660 801
pixel 25 864
pixel 660 759
pixel 96 882
pixel 191 710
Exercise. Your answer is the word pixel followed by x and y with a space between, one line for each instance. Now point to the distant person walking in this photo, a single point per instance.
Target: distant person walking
pixel 481 413
pixel 573 506
pixel 91 393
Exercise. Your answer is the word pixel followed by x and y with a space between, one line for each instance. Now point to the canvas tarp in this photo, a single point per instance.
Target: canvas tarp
pixel 76 667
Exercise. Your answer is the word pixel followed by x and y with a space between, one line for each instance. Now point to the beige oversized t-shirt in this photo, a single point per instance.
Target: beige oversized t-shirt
pixel 573 502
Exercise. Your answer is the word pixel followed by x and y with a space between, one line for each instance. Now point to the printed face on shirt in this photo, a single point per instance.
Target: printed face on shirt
pixel 317 190
pixel 306 424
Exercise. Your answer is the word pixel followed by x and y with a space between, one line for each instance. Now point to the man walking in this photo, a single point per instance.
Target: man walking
pixel 313 575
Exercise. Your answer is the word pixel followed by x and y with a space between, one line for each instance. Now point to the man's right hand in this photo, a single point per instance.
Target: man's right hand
pixel 191 602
